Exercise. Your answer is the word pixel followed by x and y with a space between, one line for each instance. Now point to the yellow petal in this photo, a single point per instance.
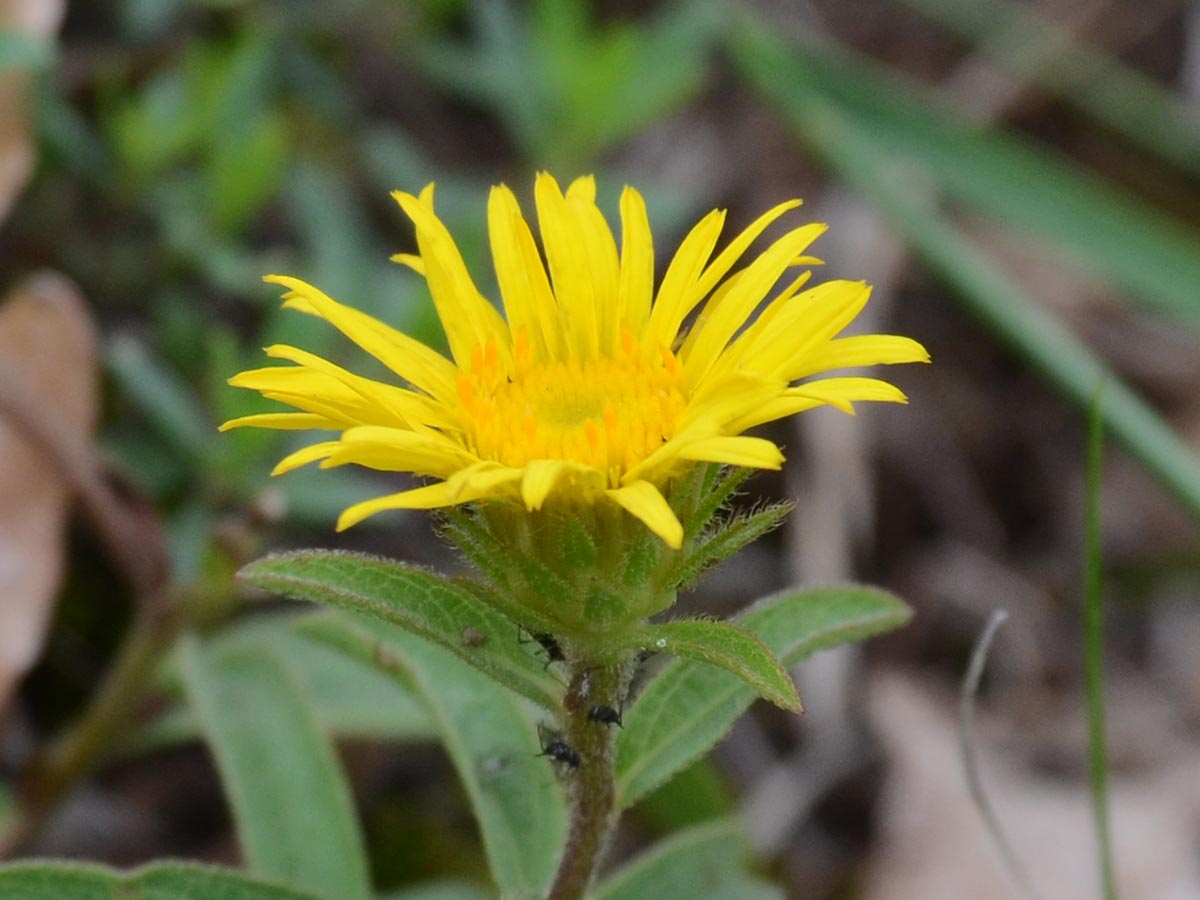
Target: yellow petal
pixel 287 421
pixel 538 481
pixel 416 363
pixel 487 479
pixel 837 392
pixel 730 397
pixel 752 452
pixel 431 496
pixel 566 258
pixel 479 481
pixel 643 500
pixel 303 457
pixel 602 266
pixel 739 245
pixel 314 393
pixel 678 295
pixel 528 302
pixel 469 320
pixel 412 260
pixel 729 312
pixel 679 300
pixel 407 408
pixel 543 475
pixel 637 262
pixel 804 324
pixel 583 188
pixel 665 456
pixel 398 450
pixel 861 350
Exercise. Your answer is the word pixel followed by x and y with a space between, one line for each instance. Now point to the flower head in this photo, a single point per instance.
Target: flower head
pixel 592 387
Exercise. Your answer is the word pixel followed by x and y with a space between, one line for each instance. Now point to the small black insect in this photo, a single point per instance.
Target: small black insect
pixel 556 748
pixel 548 643
pixel 605 715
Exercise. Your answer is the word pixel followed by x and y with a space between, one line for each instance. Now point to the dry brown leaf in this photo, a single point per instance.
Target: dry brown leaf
pixel 933 845
pixel 48 348
pixel 37 18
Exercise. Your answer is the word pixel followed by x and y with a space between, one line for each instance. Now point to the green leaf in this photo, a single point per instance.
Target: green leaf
pixel 162 881
pixel 440 890
pixel 706 862
pixel 697 794
pixel 350 699
pixel 689 706
pixel 728 538
pixel 245 170
pixel 491 738
pixel 717 485
pixel 567 87
pixel 1156 257
pixel 728 647
pixel 159 393
pixel 293 810
pixel 418 601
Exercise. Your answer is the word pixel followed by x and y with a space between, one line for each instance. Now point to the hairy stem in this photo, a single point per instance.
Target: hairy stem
pixel 591 782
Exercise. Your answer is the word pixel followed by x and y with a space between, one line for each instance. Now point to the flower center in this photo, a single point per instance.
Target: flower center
pixel 606 413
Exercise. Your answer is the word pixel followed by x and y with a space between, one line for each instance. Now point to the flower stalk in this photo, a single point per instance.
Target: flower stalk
pixel 591 783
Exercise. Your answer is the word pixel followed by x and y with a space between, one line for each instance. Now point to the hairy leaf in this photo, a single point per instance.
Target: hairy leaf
pixel 728 538
pixel 418 601
pixel 689 706
pixel 350 699
pixel 728 647
pixel 491 738
pixel 293 810
pixel 708 861
pixel 162 881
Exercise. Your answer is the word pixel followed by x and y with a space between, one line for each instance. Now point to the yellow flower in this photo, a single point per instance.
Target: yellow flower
pixel 591 388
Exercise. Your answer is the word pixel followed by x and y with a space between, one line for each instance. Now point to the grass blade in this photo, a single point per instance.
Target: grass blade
pixel 1010 179
pixel 857 153
pixel 1121 97
pixel 1093 646
pixel 970 763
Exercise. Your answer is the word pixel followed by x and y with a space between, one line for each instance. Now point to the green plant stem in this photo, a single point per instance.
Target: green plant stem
pixel 74 755
pixel 592 783
pixel 1093 634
